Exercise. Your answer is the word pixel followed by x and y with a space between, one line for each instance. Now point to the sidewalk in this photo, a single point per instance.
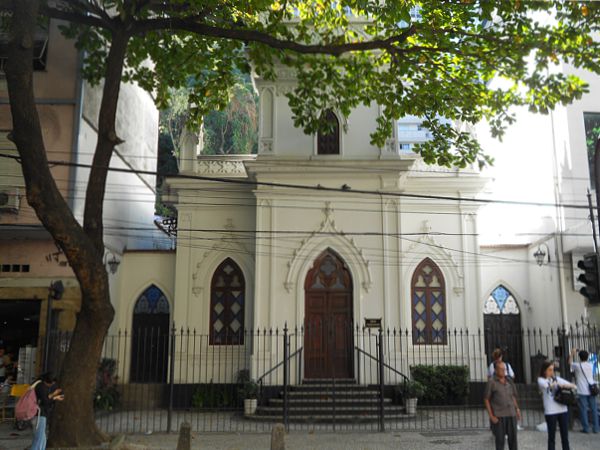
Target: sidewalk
pixel 468 440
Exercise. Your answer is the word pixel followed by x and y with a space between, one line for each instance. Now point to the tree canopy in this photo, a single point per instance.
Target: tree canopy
pixel 430 59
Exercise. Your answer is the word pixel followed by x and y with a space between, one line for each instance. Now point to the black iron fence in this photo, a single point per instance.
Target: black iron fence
pixel 315 378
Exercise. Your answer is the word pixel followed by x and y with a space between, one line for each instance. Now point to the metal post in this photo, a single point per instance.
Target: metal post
pixel 286 367
pixel 593 220
pixel 171 378
pixel 48 324
pixel 381 381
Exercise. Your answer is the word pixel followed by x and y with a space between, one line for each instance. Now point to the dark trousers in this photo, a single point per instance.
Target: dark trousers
pixel 563 425
pixel 505 428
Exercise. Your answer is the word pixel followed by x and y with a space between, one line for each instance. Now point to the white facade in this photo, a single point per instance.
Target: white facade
pixel 276 232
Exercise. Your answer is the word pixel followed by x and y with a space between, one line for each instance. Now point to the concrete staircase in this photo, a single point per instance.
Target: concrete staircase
pixel 327 400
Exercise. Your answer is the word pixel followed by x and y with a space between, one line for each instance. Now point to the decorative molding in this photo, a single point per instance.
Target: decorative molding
pixel 285 88
pixel 391 145
pixel 265 145
pixel 221 167
pixel 285 73
pixel 327 226
pixel 441 252
pixel 227 246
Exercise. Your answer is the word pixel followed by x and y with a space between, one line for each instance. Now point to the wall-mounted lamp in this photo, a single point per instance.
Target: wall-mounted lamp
pixel 542 257
pixel 112 263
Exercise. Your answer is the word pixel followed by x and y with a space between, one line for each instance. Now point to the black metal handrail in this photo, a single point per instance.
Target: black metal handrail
pixel 387 366
pixel 277 366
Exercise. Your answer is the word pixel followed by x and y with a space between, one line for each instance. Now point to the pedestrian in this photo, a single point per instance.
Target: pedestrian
pixel 498 355
pixel 3 365
pixel 47 392
pixel 500 399
pixel 584 377
pixel 554 412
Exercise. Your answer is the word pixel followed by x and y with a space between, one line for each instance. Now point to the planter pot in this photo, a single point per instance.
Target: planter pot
pixel 411 405
pixel 250 406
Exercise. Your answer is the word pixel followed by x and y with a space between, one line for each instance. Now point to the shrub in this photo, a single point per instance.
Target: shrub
pixel 106 395
pixel 444 385
pixel 412 389
pixel 214 396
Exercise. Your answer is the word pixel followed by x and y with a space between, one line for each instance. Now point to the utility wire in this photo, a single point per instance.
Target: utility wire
pixel 234 181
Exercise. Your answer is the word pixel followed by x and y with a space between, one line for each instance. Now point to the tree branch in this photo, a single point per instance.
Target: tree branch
pixel 74 17
pixel 184 24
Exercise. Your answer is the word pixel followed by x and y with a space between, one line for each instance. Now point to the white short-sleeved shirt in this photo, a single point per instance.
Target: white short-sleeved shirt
pixel 509 371
pixel 548 387
pixel 579 369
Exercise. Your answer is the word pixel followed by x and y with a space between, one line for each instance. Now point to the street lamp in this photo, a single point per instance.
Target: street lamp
pixel 113 263
pixel 540 255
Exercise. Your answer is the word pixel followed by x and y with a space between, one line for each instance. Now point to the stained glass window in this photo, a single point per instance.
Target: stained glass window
pixel 428 304
pixel 152 301
pixel 331 273
pixel 227 301
pixel 329 143
pixel 501 301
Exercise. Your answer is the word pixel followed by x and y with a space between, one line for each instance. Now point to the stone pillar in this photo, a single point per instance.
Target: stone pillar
pixel 185 439
pixel 277 437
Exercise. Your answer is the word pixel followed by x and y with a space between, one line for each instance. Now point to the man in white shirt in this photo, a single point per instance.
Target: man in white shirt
pixel 584 377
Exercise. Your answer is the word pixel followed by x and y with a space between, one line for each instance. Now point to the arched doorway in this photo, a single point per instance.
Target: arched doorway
pixel 150 337
pixel 328 319
pixel 502 328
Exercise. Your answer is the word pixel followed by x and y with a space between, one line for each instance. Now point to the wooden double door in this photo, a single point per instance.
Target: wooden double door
pixel 328 337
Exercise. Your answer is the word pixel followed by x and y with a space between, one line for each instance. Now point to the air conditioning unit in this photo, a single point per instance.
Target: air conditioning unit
pixel 9 201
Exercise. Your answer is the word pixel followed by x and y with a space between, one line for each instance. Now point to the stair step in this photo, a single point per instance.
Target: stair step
pixel 327 410
pixel 329 381
pixel 331 387
pixel 294 401
pixel 330 394
pixel 329 418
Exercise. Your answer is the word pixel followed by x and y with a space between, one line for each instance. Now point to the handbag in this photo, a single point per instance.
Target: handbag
pixel 565 395
pixel 594 390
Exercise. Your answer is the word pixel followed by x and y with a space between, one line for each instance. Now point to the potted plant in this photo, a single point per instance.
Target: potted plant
pixel 248 391
pixel 412 391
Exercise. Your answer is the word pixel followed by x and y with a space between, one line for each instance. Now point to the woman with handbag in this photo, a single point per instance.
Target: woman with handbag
pixel 587 390
pixel 550 386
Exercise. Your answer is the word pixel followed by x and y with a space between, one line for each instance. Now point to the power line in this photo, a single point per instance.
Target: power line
pixel 348 191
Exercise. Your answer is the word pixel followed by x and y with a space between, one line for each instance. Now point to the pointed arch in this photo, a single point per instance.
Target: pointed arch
pixel 150 337
pixel 329 143
pixel 227 304
pixel 502 328
pixel 428 304
pixel 501 301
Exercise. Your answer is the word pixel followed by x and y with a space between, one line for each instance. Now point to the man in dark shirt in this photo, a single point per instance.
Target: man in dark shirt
pixel 500 399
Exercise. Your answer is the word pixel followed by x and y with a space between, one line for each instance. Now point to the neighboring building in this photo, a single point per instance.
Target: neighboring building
pixel 29 259
pixel 543 159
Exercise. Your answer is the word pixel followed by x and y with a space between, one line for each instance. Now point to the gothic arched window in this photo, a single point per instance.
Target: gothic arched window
pixel 501 301
pixel 150 337
pixel 329 143
pixel 227 301
pixel 428 303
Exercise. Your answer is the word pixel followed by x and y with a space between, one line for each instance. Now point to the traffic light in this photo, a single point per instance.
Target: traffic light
pixel 591 291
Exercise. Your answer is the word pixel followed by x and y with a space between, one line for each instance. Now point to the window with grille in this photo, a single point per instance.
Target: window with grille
pixel 329 143
pixel 428 295
pixel 227 302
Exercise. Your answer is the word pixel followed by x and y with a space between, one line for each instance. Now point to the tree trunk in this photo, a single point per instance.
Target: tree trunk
pixel 73 422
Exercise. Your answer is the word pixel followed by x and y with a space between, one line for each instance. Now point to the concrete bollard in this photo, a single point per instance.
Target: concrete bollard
pixel 185 439
pixel 278 437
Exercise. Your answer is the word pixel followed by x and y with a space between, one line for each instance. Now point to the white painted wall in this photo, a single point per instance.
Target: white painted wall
pixel 129 200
